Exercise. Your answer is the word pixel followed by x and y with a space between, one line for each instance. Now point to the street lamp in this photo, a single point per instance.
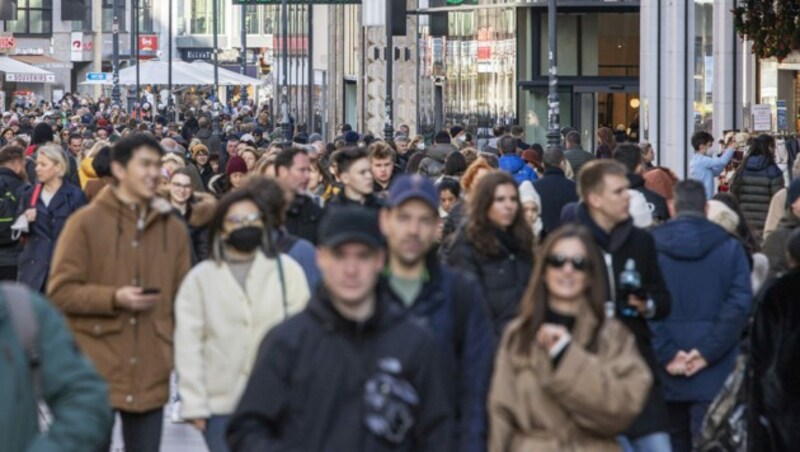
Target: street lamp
pixel 388 125
pixel 170 108
pixel 115 92
pixel 215 105
pixel 285 126
pixel 244 51
pixel 553 134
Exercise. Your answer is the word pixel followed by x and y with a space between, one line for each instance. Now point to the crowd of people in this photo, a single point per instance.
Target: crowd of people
pixel 365 294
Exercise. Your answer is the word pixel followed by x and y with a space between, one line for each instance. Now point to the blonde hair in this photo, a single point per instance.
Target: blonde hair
pixel 96 148
pixel 55 154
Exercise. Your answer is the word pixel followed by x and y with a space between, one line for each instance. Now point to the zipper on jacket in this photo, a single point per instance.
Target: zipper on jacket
pixel 611 304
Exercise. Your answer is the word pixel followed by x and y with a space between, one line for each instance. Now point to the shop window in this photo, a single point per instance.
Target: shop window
pixel 202 17
pixel 34 17
pixel 108 15
pixel 703 65
pixel 145 16
pixel 252 19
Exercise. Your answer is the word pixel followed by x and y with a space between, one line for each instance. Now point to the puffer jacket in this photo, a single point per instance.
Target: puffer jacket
pixel 579 403
pixel 753 186
pixel 433 163
pixel 514 165
pixel 775 245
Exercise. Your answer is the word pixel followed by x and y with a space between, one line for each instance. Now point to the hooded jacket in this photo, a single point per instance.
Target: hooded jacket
pixel 754 185
pixel 106 246
pixel 308 388
pixel 775 245
pixel 451 304
pixel 708 276
pixel 433 164
pixel 773 417
pixel 514 165
pixel 596 389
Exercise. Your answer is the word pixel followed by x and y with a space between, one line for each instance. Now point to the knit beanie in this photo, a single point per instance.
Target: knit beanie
pixel 793 192
pixel 236 164
pixel 528 194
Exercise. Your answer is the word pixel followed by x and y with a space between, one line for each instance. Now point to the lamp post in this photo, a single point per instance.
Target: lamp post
pixel 285 126
pixel 553 134
pixel 170 107
pixel 244 51
pixel 138 60
pixel 388 125
pixel 115 92
pixel 215 105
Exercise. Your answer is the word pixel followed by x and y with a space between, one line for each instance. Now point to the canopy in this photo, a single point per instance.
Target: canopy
pixel 157 73
pixel 17 71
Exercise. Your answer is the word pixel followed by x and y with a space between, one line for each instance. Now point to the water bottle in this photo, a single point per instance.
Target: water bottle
pixel 630 282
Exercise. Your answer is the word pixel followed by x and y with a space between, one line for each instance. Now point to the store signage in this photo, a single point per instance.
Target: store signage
pixel 98 76
pixel 783 118
pixel 80 47
pixel 202 54
pixel 30 78
pixel 7 43
pixel 762 117
pixel 148 44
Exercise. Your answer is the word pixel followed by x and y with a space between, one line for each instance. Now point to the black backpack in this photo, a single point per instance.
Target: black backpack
pixel 9 206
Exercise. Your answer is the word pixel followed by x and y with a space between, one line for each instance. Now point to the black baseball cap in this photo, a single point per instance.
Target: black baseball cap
pixel 350 224
pixel 413 186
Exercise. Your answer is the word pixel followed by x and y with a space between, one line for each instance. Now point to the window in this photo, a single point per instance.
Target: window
pixel 145 16
pixel 108 15
pixel 34 17
pixel 252 24
pixel 202 17
pixel 84 25
pixel 703 75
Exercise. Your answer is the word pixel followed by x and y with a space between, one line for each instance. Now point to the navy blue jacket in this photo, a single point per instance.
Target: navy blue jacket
pixel 556 191
pixel 516 166
pixel 452 306
pixel 708 276
pixel 34 260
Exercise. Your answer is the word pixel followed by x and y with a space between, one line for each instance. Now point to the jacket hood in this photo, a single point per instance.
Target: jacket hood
pixel 689 238
pixel 203 207
pixel 321 308
pixel 511 163
pixel 757 162
pixel 440 151
pixel 109 200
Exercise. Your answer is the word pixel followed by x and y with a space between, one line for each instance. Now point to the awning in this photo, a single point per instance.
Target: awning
pixel 155 72
pixel 17 71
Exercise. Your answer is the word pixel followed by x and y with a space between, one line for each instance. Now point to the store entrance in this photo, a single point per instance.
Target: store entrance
pixel 616 107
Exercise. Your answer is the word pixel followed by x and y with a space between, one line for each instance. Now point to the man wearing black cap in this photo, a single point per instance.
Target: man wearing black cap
pixel 351 372
pixel 775 245
pixel 451 304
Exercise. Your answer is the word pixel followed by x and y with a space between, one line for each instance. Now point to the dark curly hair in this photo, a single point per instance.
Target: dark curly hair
pixel 480 230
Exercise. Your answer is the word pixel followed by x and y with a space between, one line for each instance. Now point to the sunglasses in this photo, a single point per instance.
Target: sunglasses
pixel 579 263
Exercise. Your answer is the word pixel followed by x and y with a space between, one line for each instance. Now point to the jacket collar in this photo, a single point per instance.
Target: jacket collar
pixel 110 200
pixel 321 309
pixel 428 296
pixel 609 242
pixel 554 172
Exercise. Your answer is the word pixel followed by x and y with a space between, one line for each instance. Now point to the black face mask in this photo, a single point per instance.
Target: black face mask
pixel 246 239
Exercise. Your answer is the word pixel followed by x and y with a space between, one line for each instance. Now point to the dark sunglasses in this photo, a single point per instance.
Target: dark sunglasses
pixel 579 263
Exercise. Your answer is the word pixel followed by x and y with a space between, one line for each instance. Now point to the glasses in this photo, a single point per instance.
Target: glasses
pixel 182 186
pixel 579 263
pixel 244 220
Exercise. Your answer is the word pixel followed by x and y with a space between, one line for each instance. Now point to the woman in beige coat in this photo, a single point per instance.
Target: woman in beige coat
pixel 566 377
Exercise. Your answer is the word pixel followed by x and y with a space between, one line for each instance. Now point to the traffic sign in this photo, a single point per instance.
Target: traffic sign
pixel 98 76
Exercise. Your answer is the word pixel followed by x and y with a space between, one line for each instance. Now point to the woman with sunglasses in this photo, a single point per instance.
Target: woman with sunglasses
pixel 566 376
pixel 495 244
pixel 225 306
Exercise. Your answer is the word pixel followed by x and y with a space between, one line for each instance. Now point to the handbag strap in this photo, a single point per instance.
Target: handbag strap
pixel 37 191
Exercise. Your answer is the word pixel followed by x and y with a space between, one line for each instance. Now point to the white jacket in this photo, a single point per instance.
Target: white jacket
pixel 219 327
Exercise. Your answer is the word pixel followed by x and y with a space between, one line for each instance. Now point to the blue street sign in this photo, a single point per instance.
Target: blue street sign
pixel 783 120
pixel 98 76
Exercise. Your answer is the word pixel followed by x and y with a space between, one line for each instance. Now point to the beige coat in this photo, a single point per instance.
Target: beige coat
pixel 219 327
pixel 579 406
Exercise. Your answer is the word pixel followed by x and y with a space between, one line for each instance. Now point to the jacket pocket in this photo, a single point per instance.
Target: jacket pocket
pixel 98 339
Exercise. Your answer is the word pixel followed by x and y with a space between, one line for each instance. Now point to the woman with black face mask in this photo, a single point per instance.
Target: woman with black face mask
pixel 223 309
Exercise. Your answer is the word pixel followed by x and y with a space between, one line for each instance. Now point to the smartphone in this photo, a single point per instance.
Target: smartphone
pixel 151 291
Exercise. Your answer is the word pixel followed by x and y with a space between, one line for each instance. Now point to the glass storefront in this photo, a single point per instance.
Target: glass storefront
pixel 703 65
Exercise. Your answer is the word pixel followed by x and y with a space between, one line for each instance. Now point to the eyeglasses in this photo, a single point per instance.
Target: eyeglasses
pixel 182 186
pixel 579 263
pixel 244 220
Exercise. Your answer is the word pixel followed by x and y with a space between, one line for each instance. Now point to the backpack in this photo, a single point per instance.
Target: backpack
pixel 8 215
pixel 19 305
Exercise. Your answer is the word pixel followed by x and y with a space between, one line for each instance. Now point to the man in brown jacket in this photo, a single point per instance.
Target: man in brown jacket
pixel 115 273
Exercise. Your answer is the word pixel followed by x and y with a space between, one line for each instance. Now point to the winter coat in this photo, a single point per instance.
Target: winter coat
pixel 660 209
pixel 514 165
pixel 70 386
pixel 211 141
pixel 370 202
pixel 34 260
pixel 199 212
pixel 695 253
pixel 603 151
pixel 577 157
pixel 776 244
pixel 216 342
pixel 12 183
pixel 433 163
pixel 302 251
pixel 86 171
pixel 205 172
pixel 753 186
pixel 95 186
pixel 777 208
pixel 580 403
pixel 503 277
pixel 303 217
pixel 628 242
pixel 451 304
pixel 307 389
pixel 101 250
pixel 775 346
pixel 555 191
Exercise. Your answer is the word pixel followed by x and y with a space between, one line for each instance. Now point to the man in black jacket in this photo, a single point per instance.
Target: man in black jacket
pixel 630 155
pixel 603 188
pixel 555 190
pixel 293 168
pixel 451 304
pixel 351 372
pixel 355 171
pixel 12 184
